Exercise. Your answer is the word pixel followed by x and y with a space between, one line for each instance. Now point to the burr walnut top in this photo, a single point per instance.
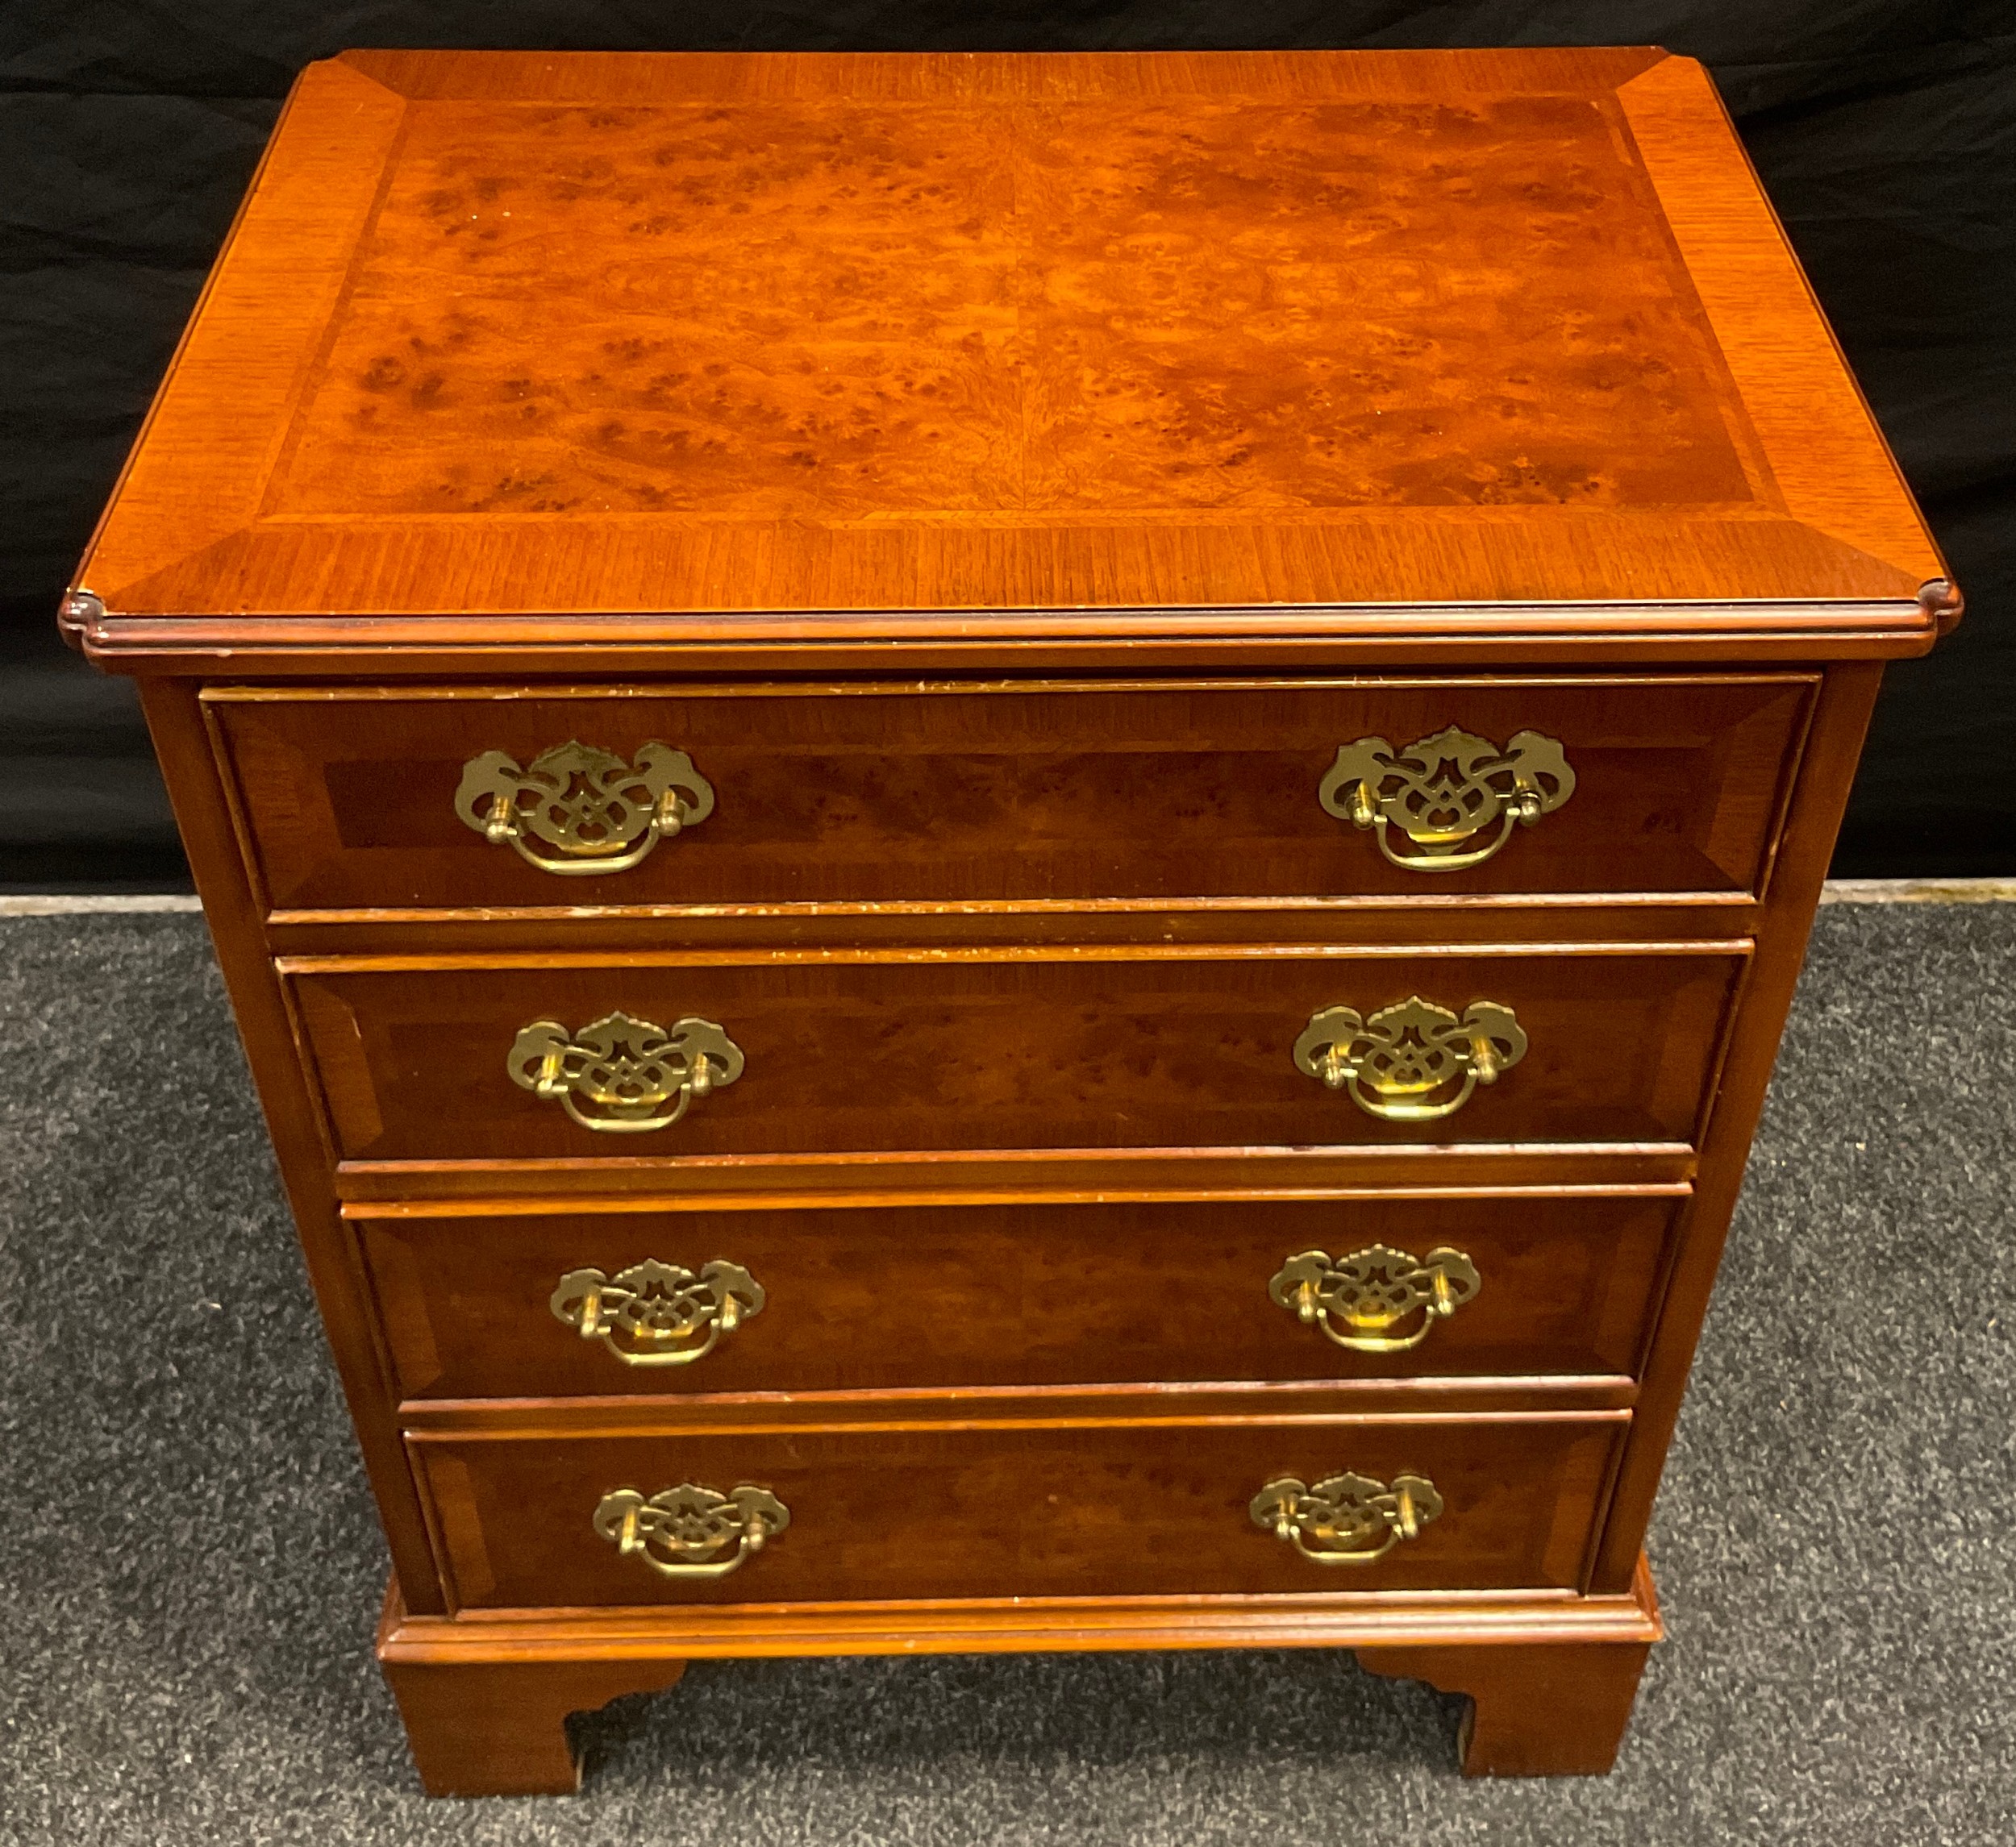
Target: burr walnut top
pixel 1357 336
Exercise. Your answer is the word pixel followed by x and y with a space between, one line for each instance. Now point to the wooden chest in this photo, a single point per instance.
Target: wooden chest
pixel 1011 845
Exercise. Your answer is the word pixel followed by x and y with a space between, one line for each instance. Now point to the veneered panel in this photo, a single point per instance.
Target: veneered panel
pixel 869 794
pixel 1322 329
pixel 997 1511
pixel 843 309
pixel 847 1053
pixel 1035 1294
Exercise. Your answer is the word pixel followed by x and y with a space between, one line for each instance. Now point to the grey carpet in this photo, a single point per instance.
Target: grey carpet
pixel 190 1565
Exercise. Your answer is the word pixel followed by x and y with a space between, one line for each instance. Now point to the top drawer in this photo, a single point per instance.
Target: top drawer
pixel 359 798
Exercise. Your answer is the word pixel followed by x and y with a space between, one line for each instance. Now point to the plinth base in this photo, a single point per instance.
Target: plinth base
pixel 1551 1679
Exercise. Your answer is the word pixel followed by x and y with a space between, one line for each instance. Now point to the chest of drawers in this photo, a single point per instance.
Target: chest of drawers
pixel 1010 844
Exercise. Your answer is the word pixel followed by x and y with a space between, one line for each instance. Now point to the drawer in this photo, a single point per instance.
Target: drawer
pixel 861 1297
pixel 876 794
pixel 1014 1510
pixel 861 1051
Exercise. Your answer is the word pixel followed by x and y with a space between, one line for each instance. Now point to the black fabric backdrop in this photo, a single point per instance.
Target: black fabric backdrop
pixel 1885 131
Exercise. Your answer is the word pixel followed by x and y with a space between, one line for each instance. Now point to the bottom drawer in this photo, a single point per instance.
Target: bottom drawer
pixel 1013 1509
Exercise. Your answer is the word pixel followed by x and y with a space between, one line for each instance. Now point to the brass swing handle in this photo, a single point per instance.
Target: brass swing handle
pixel 1400 1062
pixel 597 812
pixel 678 1531
pixel 1348 1519
pixel 1359 1301
pixel 658 1314
pixel 624 1076
pixel 1444 792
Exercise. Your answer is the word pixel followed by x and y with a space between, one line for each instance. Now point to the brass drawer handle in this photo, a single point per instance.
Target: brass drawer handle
pixel 1358 1300
pixel 598 813
pixel 1393 1063
pixel 1443 792
pixel 658 1314
pixel 1349 1520
pixel 678 1532
pixel 629 1070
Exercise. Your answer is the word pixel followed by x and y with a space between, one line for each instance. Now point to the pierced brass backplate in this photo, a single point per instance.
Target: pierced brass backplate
pixel 1360 1300
pixel 678 1532
pixel 623 1075
pixel 596 812
pixel 1442 792
pixel 658 1314
pixel 1348 1519
pixel 1401 1063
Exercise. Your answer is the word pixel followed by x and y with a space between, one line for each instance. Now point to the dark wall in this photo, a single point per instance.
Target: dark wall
pixel 1885 131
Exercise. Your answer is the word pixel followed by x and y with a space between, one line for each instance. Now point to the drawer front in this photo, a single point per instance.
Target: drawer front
pixel 868 1296
pixel 890 1051
pixel 1020 1510
pixel 892 794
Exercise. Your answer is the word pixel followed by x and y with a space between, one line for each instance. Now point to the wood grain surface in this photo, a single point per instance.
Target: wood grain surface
pixel 828 310
pixel 857 1052
pixel 204 815
pixel 1340 919
pixel 1070 333
pixel 1005 1510
pixel 1544 1709
pixel 1826 775
pixel 981 1176
pixel 874 794
pixel 523 1671
pixel 1165 1404
pixel 1015 1294
pixel 500 1727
